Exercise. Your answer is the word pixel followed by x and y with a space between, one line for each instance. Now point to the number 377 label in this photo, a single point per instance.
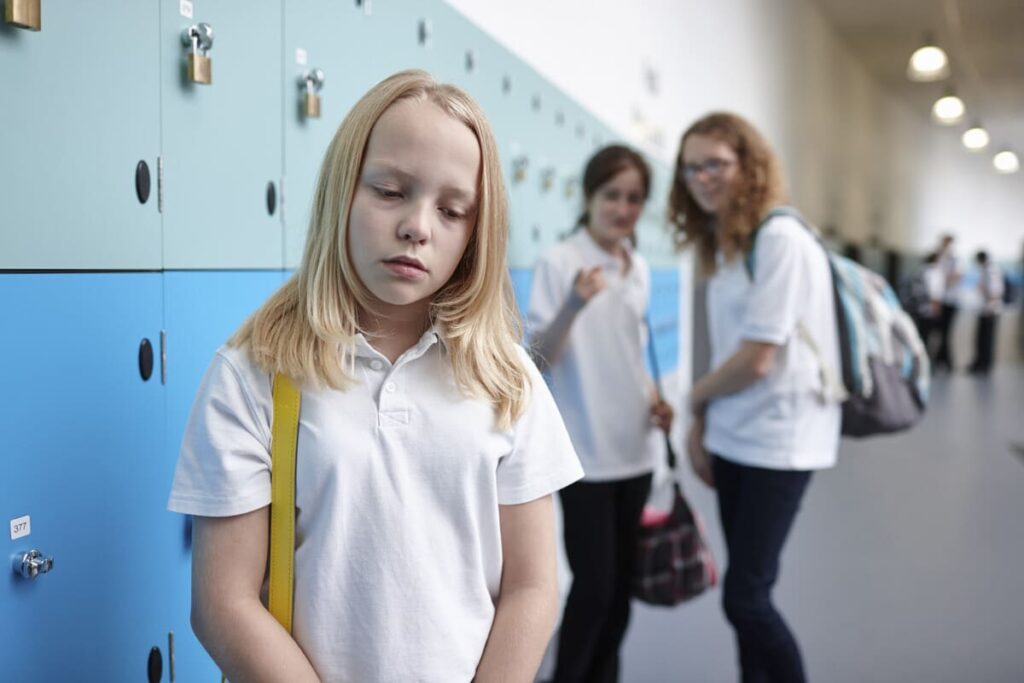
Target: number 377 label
pixel 21 527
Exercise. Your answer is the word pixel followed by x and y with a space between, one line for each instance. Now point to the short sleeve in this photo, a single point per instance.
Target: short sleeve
pixel 224 463
pixel 774 304
pixel 548 293
pixel 542 460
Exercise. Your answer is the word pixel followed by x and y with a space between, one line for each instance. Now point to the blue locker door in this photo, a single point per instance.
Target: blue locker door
pixel 222 141
pixel 201 310
pixel 80 112
pixel 83 437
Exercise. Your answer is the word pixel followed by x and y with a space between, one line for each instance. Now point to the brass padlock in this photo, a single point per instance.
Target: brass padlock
pixel 570 187
pixel 519 166
pixel 547 179
pixel 200 38
pixel 311 83
pixel 24 14
pixel 200 70
pixel 312 105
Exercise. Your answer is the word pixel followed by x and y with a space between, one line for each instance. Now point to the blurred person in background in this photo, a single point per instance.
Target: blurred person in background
pixel 950 302
pixel 990 287
pixel 586 318
pixel 760 423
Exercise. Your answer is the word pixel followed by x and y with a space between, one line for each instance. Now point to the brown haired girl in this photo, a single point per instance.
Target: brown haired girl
pixel 586 317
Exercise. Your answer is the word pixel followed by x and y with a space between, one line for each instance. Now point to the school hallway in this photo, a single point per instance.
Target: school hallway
pixel 905 563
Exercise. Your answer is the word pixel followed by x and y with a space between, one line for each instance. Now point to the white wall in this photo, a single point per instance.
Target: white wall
pixel 856 157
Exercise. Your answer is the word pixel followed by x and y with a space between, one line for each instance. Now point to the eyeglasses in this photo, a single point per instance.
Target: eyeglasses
pixel 712 167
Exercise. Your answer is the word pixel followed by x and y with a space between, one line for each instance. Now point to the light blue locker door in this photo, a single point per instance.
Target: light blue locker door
pixel 83 442
pixel 80 112
pixel 335 37
pixel 222 141
pixel 201 310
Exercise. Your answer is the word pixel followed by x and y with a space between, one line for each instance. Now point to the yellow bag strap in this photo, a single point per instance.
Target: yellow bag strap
pixel 284 439
pixel 283 443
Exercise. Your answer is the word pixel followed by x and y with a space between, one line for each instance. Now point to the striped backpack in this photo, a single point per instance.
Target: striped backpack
pixel 884 379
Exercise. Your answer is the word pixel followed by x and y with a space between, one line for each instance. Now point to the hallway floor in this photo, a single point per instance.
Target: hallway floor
pixel 906 563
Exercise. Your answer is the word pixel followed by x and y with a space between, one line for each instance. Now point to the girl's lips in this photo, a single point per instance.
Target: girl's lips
pixel 405 270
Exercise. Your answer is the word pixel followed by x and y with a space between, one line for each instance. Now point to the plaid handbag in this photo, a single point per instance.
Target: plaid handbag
pixel 673 561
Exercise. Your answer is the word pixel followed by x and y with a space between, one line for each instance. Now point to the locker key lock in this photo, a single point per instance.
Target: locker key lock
pixel 547 179
pixel 519 166
pixel 311 83
pixel 200 38
pixel 31 564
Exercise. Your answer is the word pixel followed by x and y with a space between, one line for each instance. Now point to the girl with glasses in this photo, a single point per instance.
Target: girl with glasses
pixel 760 426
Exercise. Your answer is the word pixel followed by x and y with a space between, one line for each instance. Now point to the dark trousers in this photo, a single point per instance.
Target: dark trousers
pixel 757 507
pixel 984 343
pixel 944 356
pixel 602 520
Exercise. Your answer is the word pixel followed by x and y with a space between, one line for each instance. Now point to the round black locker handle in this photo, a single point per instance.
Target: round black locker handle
pixel 155 666
pixel 271 198
pixel 145 360
pixel 142 182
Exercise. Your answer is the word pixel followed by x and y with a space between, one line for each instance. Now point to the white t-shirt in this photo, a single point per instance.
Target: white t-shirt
pixel 990 285
pixel 599 381
pixel 780 422
pixel 399 479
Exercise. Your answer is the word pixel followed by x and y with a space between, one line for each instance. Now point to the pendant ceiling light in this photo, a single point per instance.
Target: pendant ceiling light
pixel 1006 162
pixel 975 138
pixel 928 63
pixel 948 109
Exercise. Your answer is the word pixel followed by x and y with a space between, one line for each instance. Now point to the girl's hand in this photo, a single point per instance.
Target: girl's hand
pixel 699 458
pixel 662 414
pixel 588 283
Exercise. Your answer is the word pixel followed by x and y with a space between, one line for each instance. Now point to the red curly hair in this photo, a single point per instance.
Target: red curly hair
pixel 758 187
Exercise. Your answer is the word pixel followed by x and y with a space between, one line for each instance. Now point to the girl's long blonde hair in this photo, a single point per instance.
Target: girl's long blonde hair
pixel 758 188
pixel 307 329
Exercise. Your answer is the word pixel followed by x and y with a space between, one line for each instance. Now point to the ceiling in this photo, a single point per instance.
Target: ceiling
pixel 983 38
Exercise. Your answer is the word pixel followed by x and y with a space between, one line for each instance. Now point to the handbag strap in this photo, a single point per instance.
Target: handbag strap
pixel 283 443
pixel 671 453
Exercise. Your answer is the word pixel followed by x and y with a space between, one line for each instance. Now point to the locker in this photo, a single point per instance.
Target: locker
pixel 81 111
pixel 222 141
pixel 201 310
pixel 83 457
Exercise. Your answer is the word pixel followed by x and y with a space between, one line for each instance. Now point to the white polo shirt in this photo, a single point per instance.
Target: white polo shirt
pixel 399 479
pixel 780 422
pixel 599 381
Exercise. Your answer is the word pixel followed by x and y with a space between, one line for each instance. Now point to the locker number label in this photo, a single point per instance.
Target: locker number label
pixel 185 8
pixel 21 527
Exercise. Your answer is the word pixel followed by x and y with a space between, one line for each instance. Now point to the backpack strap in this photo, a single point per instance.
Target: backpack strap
pixel 283 444
pixel 748 258
pixel 831 385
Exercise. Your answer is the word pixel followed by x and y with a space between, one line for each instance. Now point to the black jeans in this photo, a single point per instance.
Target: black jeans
pixel 984 343
pixel 757 507
pixel 601 524
pixel 944 356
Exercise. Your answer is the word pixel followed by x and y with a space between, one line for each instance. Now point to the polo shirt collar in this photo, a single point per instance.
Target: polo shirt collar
pixel 433 335
pixel 590 246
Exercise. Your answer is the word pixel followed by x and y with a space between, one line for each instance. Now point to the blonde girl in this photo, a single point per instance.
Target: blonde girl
pixel 428 448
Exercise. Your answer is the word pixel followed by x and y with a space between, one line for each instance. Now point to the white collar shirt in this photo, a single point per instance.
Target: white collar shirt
pixel 398 486
pixel 600 380
pixel 781 421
